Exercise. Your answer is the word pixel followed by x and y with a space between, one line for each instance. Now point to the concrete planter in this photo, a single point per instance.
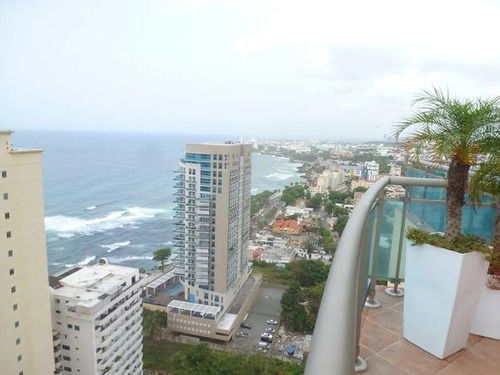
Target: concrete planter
pixel 442 290
pixel 486 320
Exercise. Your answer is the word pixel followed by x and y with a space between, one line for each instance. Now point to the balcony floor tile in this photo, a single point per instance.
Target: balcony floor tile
pixel 388 353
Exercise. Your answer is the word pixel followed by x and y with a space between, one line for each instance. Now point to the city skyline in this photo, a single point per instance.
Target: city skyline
pixel 252 69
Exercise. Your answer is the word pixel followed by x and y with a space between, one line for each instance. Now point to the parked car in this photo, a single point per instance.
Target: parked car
pixel 272 321
pixel 241 334
pixel 266 337
pixel 264 344
pixel 270 330
pixel 246 325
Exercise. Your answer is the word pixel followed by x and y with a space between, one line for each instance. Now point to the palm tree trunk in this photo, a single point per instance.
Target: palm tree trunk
pixel 458 174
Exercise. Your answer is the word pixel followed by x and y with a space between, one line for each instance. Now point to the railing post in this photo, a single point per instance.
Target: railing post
pixel 371 302
pixel 394 291
pixel 361 364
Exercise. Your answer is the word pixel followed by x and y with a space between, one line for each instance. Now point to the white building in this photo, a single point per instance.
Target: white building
pixel 370 171
pixel 97 313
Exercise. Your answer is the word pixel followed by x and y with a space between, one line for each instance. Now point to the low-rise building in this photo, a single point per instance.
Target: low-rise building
pixel 97 320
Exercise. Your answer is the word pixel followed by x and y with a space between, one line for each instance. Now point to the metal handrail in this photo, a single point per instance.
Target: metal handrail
pixel 336 334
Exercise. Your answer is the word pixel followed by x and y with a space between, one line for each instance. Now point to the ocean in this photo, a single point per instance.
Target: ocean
pixel 110 194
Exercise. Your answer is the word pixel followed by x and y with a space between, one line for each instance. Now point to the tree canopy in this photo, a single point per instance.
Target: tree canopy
pixel 161 255
pixel 454 132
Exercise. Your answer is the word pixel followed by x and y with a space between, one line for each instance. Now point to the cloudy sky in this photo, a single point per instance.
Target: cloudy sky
pixel 271 68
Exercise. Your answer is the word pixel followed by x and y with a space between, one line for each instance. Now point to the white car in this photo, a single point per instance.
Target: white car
pixel 272 321
pixel 270 330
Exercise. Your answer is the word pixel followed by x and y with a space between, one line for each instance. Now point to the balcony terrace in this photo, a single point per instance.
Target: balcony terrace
pixel 359 326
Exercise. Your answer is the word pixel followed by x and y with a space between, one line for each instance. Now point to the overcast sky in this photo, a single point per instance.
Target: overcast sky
pixel 289 69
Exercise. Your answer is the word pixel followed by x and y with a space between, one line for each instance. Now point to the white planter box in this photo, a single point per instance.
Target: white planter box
pixel 442 290
pixel 486 320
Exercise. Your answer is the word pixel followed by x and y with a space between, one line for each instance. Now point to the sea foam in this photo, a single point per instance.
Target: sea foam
pixel 68 226
pixel 115 246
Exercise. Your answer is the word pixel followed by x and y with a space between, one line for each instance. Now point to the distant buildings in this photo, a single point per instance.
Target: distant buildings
pixel 97 316
pixel 329 179
pixel 26 346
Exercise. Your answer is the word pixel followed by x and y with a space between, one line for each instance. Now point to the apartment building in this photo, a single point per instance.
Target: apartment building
pixel 212 225
pixel 97 319
pixel 26 347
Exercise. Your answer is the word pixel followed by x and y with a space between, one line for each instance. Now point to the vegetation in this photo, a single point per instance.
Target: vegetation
pixel 161 255
pixel 315 201
pixel 259 201
pixel 340 224
pixel 327 241
pixel 451 131
pixel 292 193
pixel 460 244
pixel 152 321
pixel 184 359
pixel 300 302
pixel 339 196
pixel 271 273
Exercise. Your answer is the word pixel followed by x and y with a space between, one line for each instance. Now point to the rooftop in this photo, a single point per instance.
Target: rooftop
pixel 90 284
pixel 388 353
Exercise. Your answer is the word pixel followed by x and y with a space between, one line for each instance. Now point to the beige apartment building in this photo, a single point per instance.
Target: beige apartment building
pixel 26 347
pixel 211 237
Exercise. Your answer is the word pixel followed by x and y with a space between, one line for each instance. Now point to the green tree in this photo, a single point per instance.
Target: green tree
pixel 453 131
pixel 360 189
pixel 293 312
pixel 161 255
pixel 338 196
pixel 152 321
pixel 340 224
pixel 315 201
pixel 308 272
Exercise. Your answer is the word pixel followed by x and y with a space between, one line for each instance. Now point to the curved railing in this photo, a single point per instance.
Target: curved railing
pixel 336 334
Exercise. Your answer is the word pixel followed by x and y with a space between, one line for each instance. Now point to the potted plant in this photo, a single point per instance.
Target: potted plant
pixel 442 285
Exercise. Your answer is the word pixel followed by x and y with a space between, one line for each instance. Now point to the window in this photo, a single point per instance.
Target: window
pixel 66 358
pixel 11 271
pixel 68 369
pixel 70 326
pixel 16 324
pixel 58 300
pixel 10 253
pixel 4 174
pixel 77 328
pixel 13 289
pixel 18 341
pixel 5 196
pixel 7 215
pixel 14 307
pixel 19 358
pixel 65 347
pixel 9 234
pixel 58 311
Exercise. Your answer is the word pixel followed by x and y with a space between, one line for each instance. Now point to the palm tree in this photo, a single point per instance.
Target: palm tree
pixel 454 132
pixel 161 255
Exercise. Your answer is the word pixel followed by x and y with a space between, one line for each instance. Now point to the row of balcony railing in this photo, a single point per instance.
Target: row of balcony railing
pixel 372 248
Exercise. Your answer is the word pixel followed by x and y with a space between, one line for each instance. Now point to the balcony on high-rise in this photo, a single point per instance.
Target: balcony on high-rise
pixel 360 323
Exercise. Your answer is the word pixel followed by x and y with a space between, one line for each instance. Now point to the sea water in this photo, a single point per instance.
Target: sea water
pixel 110 194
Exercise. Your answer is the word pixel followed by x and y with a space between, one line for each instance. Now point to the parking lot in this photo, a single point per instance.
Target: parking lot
pixel 266 307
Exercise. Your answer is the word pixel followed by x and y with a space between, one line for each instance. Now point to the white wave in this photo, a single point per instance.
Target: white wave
pixel 83 262
pixel 115 246
pixel 112 260
pixel 90 208
pixel 67 226
pixel 280 176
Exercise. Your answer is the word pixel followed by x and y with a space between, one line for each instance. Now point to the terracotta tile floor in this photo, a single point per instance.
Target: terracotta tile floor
pixel 388 353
